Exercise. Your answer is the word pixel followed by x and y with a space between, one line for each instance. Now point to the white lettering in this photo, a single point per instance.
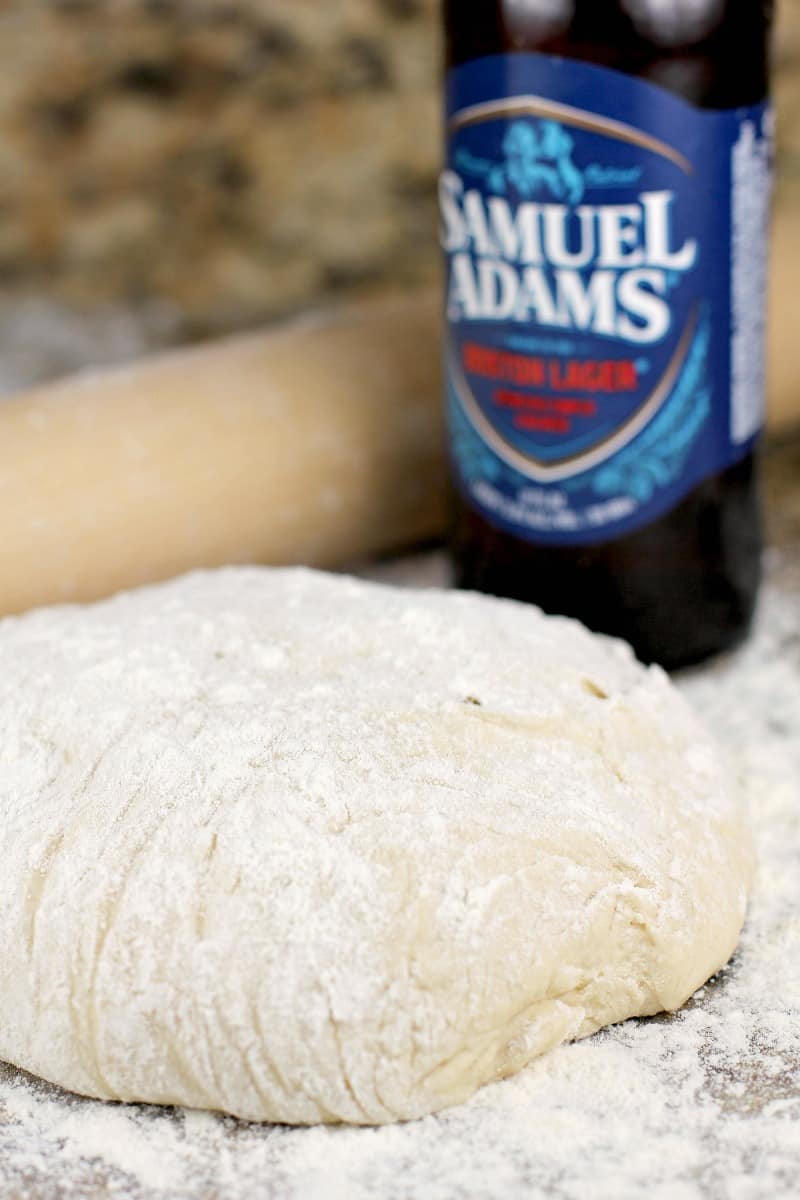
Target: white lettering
pixel 640 293
pixel 463 300
pixel 620 233
pixel 536 298
pixel 657 206
pixel 498 283
pixel 556 236
pixel 478 225
pixel 454 234
pixel 518 237
pixel 530 262
pixel 587 304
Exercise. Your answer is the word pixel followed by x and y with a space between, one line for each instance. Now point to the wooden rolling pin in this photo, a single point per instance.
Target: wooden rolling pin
pixel 318 442
pixel 784 318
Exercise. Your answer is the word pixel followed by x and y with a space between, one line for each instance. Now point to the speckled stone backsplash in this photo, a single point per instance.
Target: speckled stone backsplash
pixel 223 160
pixel 204 164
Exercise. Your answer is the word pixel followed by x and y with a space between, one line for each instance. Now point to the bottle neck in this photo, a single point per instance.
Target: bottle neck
pixel 717 56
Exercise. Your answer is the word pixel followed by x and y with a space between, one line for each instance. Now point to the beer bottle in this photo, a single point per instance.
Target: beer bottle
pixel 605 205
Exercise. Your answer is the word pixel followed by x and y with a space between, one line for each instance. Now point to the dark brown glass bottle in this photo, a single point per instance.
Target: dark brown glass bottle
pixel 678 584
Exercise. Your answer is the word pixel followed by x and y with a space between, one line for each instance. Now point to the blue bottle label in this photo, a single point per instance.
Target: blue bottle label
pixel 606 247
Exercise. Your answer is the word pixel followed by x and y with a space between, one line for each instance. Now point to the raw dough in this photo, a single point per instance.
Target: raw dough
pixel 305 849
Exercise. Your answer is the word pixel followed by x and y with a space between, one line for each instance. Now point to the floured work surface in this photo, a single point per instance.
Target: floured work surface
pixel 704 1103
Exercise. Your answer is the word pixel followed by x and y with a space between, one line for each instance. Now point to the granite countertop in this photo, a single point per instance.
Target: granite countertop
pixel 702 1104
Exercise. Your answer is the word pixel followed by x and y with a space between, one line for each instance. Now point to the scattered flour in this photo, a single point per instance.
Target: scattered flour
pixel 703 1104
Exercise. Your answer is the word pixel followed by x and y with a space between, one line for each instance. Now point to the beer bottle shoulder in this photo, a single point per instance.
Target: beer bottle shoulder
pixel 712 53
